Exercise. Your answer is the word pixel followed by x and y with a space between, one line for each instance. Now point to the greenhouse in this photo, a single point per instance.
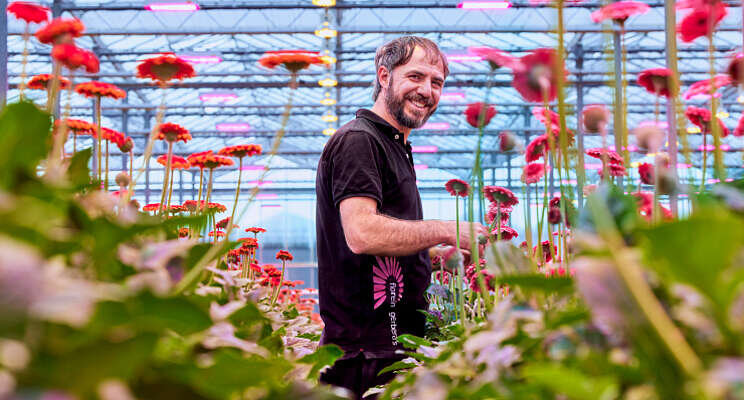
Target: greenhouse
pixel 328 199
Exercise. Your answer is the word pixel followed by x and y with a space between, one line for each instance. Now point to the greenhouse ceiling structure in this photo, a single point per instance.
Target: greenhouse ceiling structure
pixel 234 100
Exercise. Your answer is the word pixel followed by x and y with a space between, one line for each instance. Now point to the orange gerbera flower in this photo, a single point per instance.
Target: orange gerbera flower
pixel 222 224
pixel 151 207
pixel 211 161
pixel 171 132
pixel 164 68
pixel 78 126
pixel 42 81
pixel 216 207
pixel 60 30
pixel 293 60
pixel 241 150
pixel 183 232
pixel 177 162
pixel 217 233
pixel 111 135
pixel 29 12
pixel 284 255
pixel 74 57
pixel 101 89
pixel 255 230
pixel 125 144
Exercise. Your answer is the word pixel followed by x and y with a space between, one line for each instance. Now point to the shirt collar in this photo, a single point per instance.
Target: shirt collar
pixel 384 127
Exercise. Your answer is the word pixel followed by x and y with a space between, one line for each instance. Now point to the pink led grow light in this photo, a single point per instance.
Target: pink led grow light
pixel 437 126
pixel 233 127
pixel 217 97
pixel 484 5
pixel 424 149
pixel 200 58
pixel 172 7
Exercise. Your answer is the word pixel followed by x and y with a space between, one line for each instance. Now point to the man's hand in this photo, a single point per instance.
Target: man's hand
pixel 465 244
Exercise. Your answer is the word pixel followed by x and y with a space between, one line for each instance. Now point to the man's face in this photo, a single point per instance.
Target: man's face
pixel 413 93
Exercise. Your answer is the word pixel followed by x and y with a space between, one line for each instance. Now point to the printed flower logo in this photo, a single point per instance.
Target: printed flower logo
pixel 387 281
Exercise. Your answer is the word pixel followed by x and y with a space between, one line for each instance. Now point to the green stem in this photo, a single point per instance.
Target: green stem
pixel 166 175
pixel 720 172
pixel 237 190
pixel 170 192
pixel 460 269
pixel 99 155
pixel 106 185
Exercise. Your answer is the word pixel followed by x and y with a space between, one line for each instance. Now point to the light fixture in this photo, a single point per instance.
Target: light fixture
pixel 419 167
pixel 259 183
pixel 693 129
pixel 189 6
pixel 271 205
pixel 328 82
pixel 329 131
pixel 452 96
pixel 424 149
pixel 463 58
pixel 484 5
pixel 710 147
pixel 328 100
pixel 201 58
pixel 267 196
pixel 436 126
pixel 324 3
pixel 329 116
pixel 325 31
pixel 327 58
pixel 253 168
pixel 233 127
pixel 217 97
pixel 682 165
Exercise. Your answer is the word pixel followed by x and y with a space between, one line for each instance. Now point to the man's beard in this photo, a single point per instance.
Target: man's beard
pixel 396 108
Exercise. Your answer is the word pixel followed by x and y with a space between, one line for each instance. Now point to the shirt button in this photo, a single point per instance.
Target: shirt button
pixel 397 137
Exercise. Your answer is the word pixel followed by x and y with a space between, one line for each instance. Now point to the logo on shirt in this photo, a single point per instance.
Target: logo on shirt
pixel 387 281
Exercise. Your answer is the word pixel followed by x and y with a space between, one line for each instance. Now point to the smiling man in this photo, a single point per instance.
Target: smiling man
pixel 373 261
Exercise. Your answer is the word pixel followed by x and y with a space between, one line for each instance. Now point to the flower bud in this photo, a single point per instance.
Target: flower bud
pixel 122 179
pixel 595 117
pixel 649 136
pixel 507 141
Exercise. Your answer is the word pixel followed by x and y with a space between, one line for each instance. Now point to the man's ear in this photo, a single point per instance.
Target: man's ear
pixel 383 75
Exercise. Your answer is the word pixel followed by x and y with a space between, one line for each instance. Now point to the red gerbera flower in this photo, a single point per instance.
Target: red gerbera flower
pixel 126 144
pixel 171 132
pixel 646 171
pixel 241 150
pixel 60 30
pixel 222 224
pixel 284 255
pixel 736 69
pixel 42 81
pixel 554 215
pixel 77 126
pixel 248 243
pixel 501 195
pixel 255 230
pixel 493 212
pixel 151 207
pixel 594 117
pixel 739 131
pixel 540 72
pixel 657 81
pixel 537 148
pixel 457 187
pixel 177 162
pixel 473 112
pixel 192 205
pixel 702 88
pixel 197 160
pixel 533 172
pixel 548 117
pixel 497 58
pixel 701 117
pixel 111 135
pixel 614 169
pixel 698 23
pixel 507 233
pixel 74 57
pixel 547 256
pixel 619 11
pixel 176 208
pixel 293 60
pixel 29 12
pixel 597 153
pixel 217 234
pixel 507 141
pixel 100 89
pixel 165 68
pixel 183 232
pixel 216 207
pixel 211 161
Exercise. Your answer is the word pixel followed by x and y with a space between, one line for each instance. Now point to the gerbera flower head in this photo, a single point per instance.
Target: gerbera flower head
pixel 29 12
pixel 554 215
pixel 111 135
pixel 60 30
pixel 222 224
pixel 177 162
pixel 698 22
pixel 702 88
pixel 457 187
pixel 614 170
pixel 701 117
pixel 42 82
pixel 74 57
pixel 537 148
pixel 183 232
pixel 500 195
pixel 657 81
pixel 736 69
pixel 547 256
pixel 612 156
pixel 171 132
pixel 126 144
pixel 151 207
pixel 255 230
pixel 619 11
pixel 77 126
pixel 211 161
pixel 176 208
pixel 473 112
pixel 293 60
pixel 284 255
pixel 248 243
pixel 192 205
pixel 507 233
pixel 649 136
pixel 739 131
pixel 100 89
pixel 594 117
pixel 507 141
pixel 241 150
pixel 539 75
pixel 646 171
pixel 217 234
pixel 533 172
pixel 551 119
pixel 215 207
pixel 497 58
pixel 165 68
pixel 493 212
pixel 197 159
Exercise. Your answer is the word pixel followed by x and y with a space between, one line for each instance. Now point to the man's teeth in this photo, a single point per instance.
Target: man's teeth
pixel 418 104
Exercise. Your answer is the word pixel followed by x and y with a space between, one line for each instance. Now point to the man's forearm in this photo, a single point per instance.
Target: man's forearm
pixel 383 235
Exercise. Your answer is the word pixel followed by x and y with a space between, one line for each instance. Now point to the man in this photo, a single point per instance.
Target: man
pixel 373 262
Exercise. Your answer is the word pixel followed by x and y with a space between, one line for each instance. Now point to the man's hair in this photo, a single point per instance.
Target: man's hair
pixel 399 51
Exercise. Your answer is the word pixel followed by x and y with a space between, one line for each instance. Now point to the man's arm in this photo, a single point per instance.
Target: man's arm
pixel 369 232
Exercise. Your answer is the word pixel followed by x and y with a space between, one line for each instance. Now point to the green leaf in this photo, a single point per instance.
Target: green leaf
pixel 563 317
pixel 538 282
pixel 309 336
pixel 571 383
pixel 292 313
pixel 24 141
pixel 247 316
pixel 413 342
pixel 397 366
pixel 78 172
pixel 324 356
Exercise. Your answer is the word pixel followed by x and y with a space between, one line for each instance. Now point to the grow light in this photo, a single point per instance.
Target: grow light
pixel 233 127
pixel 484 5
pixel 188 7
pixel 424 149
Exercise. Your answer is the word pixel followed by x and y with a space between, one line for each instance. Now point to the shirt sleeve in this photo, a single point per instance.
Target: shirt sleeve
pixel 356 167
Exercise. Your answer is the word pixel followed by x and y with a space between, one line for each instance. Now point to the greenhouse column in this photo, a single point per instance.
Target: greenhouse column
pixel 619 124
pixel 671 47
pixel 3 54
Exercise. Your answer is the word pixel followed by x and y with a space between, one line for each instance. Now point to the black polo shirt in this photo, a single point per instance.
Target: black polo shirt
pixel 367 301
